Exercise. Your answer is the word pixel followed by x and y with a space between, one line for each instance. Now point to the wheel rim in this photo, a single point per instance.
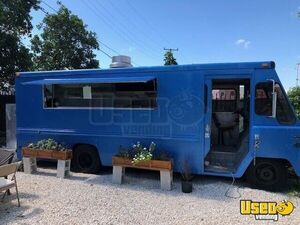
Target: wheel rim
pixel 85 160
pixel 266 173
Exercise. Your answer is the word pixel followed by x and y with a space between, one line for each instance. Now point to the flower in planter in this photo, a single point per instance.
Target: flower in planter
pixel 142 153
pixel 31 145
pixel 47 144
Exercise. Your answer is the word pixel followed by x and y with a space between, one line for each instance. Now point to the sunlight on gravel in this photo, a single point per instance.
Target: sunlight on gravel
pixel 93 199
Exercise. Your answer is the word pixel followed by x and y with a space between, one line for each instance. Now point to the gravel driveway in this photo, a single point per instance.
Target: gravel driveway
pixel 93 199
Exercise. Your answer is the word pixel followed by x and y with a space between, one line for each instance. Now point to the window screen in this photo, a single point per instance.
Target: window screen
pixel 106 95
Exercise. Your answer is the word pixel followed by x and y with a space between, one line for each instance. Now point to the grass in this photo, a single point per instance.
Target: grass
pixel 294 185
pixel 294 189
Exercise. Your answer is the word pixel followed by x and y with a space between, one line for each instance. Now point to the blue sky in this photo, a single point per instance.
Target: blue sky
pixel 205 31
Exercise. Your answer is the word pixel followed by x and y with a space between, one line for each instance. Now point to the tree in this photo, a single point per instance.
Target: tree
pixel 169 58
pixel 15 24
pixel 64 43
pixel 294 96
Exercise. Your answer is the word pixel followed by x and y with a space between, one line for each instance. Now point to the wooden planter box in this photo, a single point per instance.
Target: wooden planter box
pixel 148 164
pixel 47 154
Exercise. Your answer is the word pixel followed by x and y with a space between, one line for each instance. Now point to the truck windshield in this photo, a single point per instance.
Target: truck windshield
pixel 263 103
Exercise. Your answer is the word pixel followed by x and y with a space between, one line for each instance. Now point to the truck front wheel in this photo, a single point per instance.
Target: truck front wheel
pixel 86 159
pixel 267 174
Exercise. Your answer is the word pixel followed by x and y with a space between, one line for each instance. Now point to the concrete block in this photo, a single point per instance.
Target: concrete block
pixel 29 165
pixel 118 173
pixel 63 168
pixel 166 179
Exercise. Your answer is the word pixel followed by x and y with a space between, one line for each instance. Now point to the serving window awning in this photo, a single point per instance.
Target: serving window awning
pixel 91 80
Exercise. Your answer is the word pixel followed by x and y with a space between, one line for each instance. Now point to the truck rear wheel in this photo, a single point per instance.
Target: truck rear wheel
pixel 267 174
pixel 86 159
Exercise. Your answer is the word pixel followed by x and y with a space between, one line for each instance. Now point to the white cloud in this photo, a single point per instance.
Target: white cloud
pixel 243 43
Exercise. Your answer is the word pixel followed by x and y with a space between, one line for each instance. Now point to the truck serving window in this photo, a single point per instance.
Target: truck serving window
pixel 104 95
pixel 224 100
pixel 263 103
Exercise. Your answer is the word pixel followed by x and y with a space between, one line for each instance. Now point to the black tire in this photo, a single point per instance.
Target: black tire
pixel 268 175
pixel 86 159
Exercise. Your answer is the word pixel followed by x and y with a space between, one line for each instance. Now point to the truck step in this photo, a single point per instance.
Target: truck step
pixel 219 169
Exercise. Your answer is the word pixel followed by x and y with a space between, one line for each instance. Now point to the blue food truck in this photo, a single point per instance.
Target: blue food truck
pixel 226 119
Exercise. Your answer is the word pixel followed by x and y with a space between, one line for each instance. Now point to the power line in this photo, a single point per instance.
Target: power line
pixel 40 8
pixel 98 40
pixel 108 47
pixel 129 21
pixel 49 6
pixel 105 53
pixel 109 25
pixel 47 13
pixel 158 33
pixel 109 56
pixel 134 9
pixel 105 45
pixel 111 49
pixel 122 33
pixel 124 27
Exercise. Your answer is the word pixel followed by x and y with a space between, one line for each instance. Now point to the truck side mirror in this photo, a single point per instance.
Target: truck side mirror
pixel 274 98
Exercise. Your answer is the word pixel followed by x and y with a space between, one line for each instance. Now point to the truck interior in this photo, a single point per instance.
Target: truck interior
pixel 229 125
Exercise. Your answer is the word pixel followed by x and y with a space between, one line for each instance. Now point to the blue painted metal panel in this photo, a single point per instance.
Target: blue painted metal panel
pixel 176 125
pixel 276 140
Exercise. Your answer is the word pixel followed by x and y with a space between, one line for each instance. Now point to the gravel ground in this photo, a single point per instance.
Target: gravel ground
pixel 93 199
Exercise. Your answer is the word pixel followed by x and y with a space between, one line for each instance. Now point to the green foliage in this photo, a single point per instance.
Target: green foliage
pixel 15 24
pixel 294 184
pixel 64 43
pixel 138 153
pixel 169 59
pixel 142 153
pixel 294 96
pixel 48 144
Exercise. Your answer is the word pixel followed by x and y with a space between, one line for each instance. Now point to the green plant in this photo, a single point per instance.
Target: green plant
pixel 48 144
pixel 161 155
pixel 142 153
pixel 123 153
pixel 16 26
pixel 294 190
pixel 294 96
pixel 169 58
pixel 294 184
pixel 64 42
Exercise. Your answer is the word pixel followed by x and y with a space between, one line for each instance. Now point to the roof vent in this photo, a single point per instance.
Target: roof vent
pixel 120 61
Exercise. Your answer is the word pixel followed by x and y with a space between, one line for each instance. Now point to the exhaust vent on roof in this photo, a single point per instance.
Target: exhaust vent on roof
pixel 120 61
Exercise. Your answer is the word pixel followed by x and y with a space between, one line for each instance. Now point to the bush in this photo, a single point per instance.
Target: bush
pixel 294 96
pixel 48 144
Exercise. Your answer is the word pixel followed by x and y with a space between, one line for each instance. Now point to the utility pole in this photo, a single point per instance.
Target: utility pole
pixel 297 79
pixel 171 49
